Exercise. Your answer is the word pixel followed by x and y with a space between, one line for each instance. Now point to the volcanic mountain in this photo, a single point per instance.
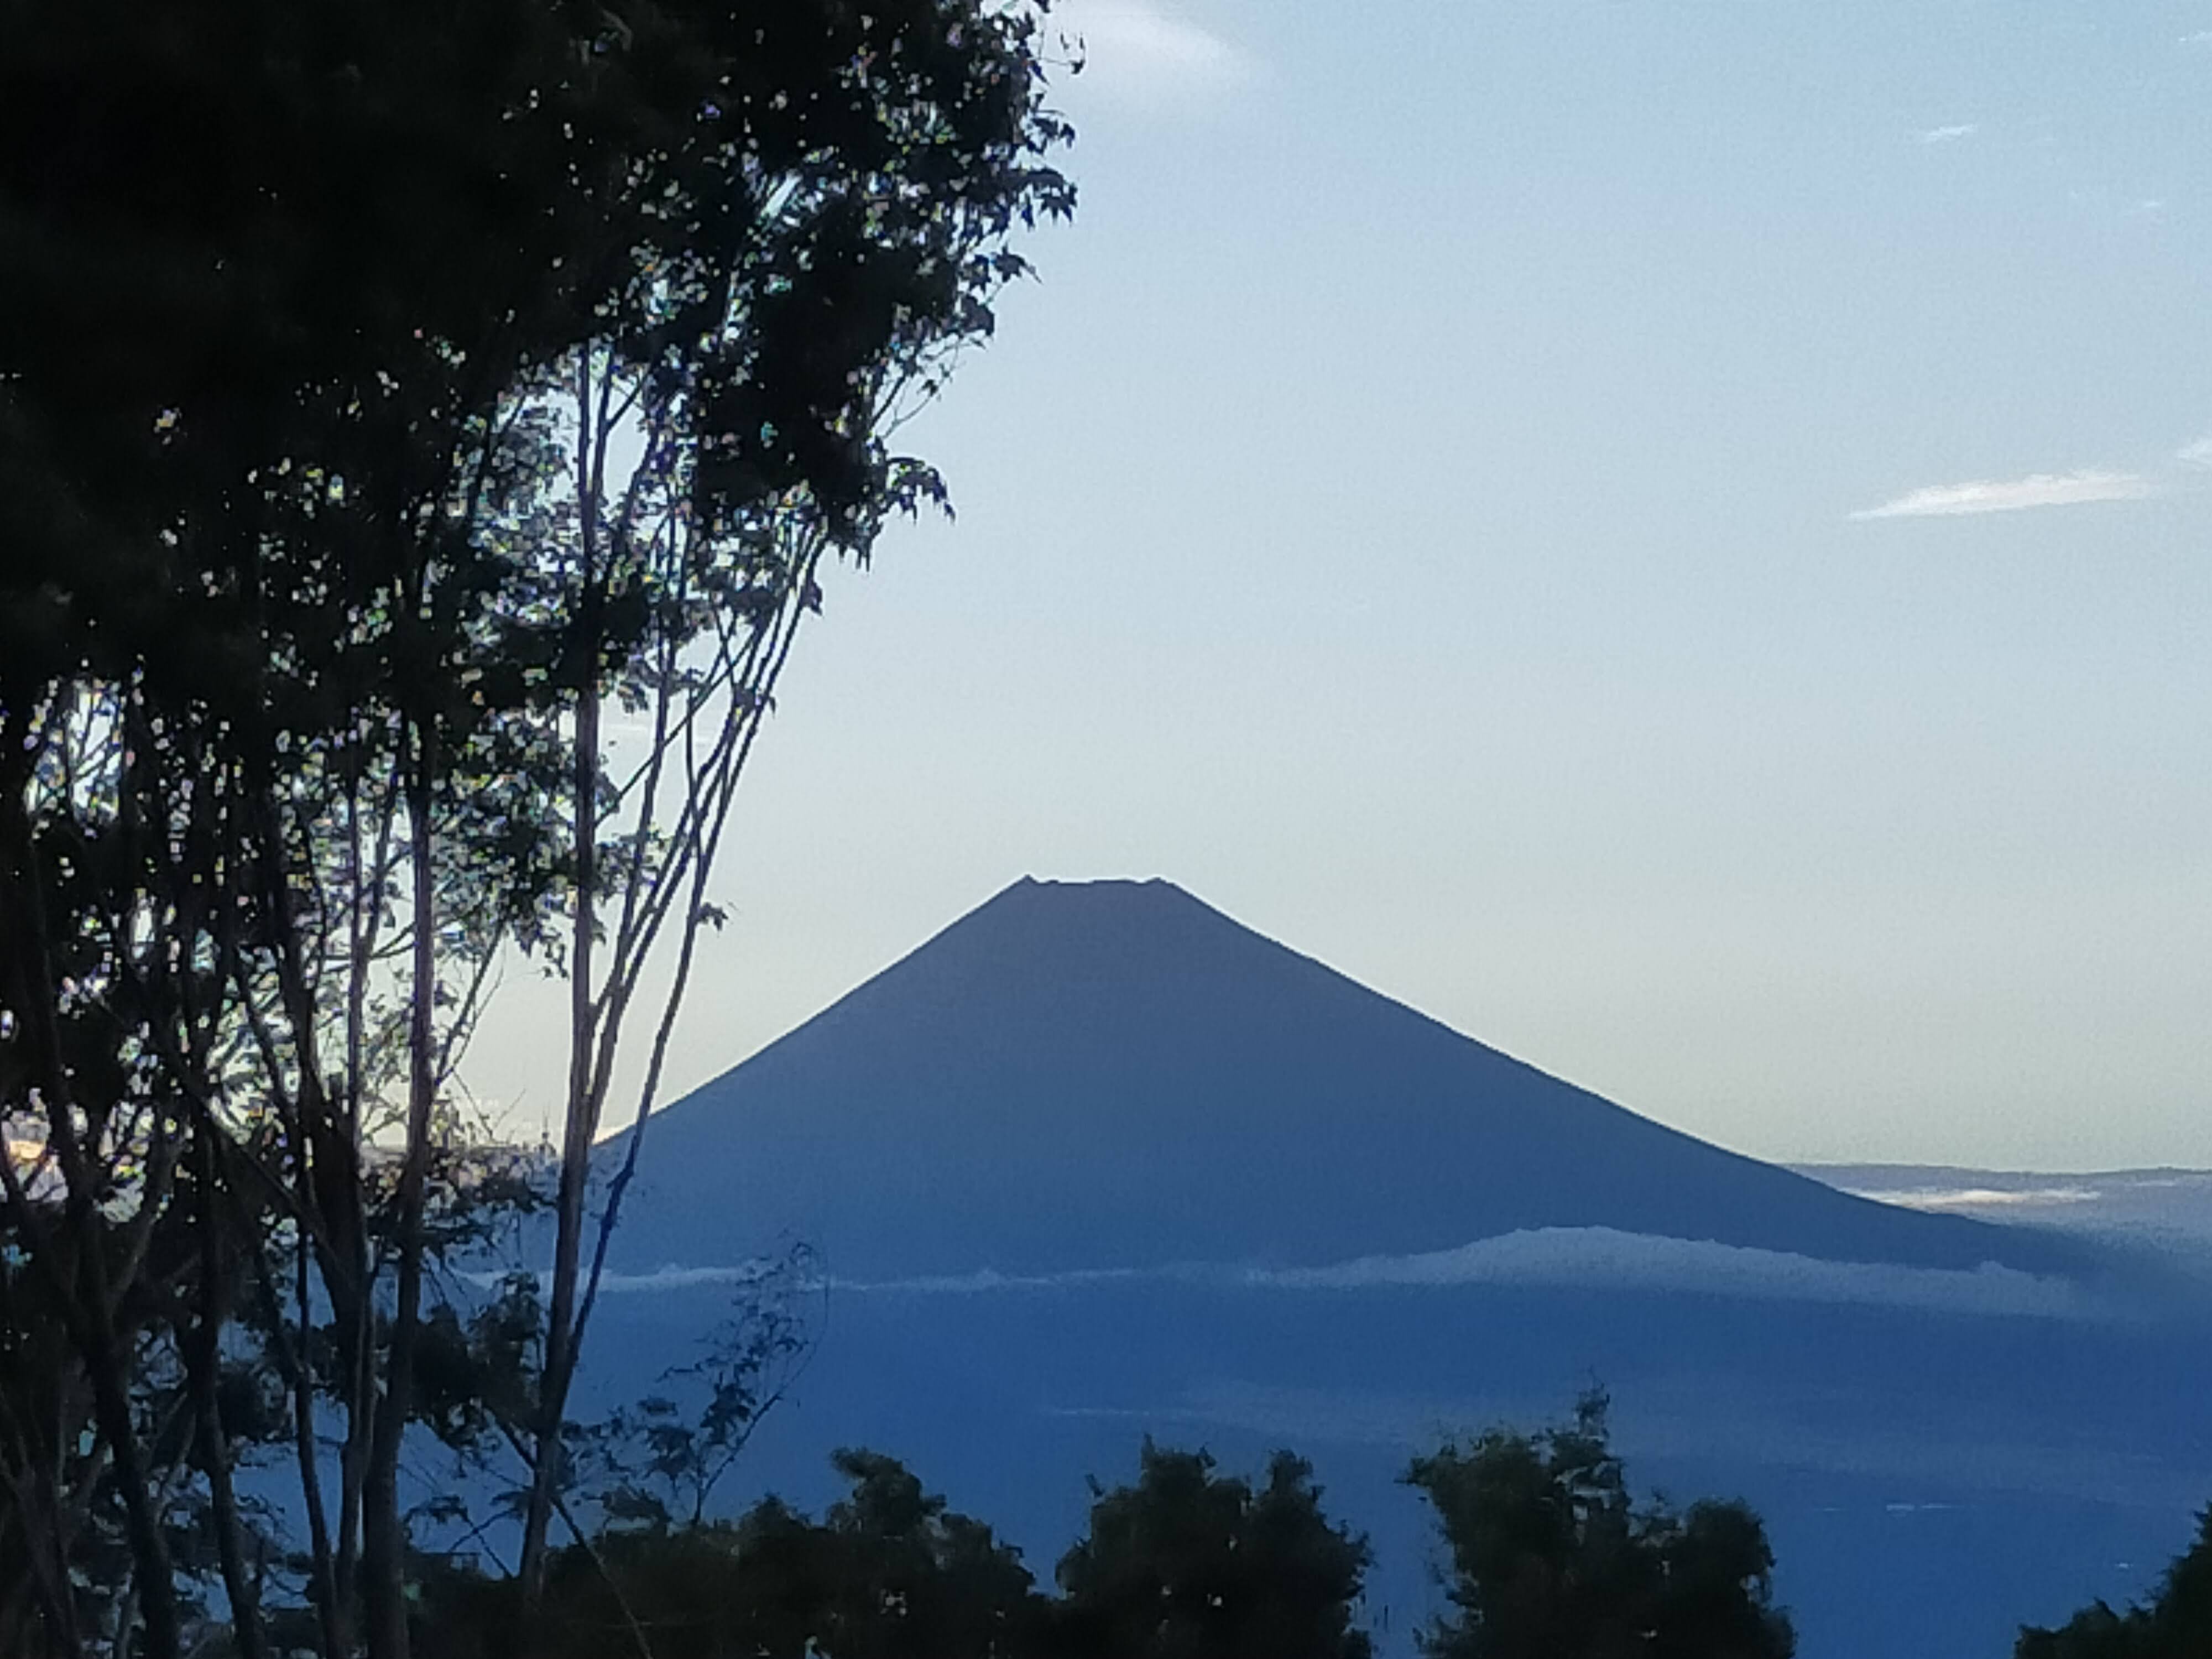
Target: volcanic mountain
pixel 1112 1075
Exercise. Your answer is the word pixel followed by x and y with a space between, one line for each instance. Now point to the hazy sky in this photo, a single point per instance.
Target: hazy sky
pixel 1676 538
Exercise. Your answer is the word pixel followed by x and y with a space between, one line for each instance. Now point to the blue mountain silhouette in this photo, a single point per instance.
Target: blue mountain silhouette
pixel 1112 1074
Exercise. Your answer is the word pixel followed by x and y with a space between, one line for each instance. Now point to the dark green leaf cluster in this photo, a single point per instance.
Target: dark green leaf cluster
pixel 384 390
pixel 298 295
pixel 2175 1624
pixel 889 1573
pixel 475 1368
pixel 655 1463
pixel 1551 1558
pixel 1188 1562
pixel 1184 1563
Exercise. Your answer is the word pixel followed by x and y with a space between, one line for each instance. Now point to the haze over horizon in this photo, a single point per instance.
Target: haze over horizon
pixel 1673 541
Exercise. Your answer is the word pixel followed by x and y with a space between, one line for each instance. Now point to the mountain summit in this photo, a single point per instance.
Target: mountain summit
pixel 1112 1074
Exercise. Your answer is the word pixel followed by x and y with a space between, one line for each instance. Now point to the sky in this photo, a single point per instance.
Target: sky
pixel 1675 538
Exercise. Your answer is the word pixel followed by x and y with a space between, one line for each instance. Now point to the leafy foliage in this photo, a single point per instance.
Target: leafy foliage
pixel 1551 1558
pixel 2175 1624
pixel 889 1573
pixel 385 391
pixel 1184 1562
pixel 1187 1562
pixel 655 1463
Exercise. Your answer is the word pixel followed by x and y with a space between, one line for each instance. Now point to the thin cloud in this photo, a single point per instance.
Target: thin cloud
pixel 1972 1198
pixel 2198 454
pixel 1950 135
pixel 987 1279
pixel 2012 495
pixel 1558 1256
pixel 1139 45
pixel 1620 1260
pixel 671 1277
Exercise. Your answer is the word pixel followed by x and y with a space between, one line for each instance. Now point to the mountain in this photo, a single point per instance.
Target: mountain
pixel 1076 1080
pixel 1112 1075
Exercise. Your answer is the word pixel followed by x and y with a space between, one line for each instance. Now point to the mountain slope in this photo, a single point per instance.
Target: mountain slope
pixel 1112 1074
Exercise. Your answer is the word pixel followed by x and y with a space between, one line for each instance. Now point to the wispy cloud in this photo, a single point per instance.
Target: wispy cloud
pixel 1143 47
pixel 2201 38
pixel 2198 454
pixel 672 1277
pixel 1950 135
pixel 1538 1256
pixel 2013 494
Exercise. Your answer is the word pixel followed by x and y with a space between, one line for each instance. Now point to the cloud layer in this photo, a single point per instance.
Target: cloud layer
pixel 2013 494
pixel 1972 1199
pixel 1592 1257
pixel 1602 1256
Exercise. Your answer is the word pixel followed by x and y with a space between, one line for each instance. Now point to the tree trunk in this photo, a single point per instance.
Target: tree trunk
pixel 85 1298
pixel 384 1533
pixel 582 1121
pixel 204 1358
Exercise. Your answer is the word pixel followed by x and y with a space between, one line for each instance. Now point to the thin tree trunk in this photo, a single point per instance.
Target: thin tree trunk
pixel 383 1536
pixel 560 1366
pixel 582 1116
pixel 86 1303
pixel 300 1382
pixel 205 1361
pixel 152 1577
pixel 40 1585
pixel 323 1135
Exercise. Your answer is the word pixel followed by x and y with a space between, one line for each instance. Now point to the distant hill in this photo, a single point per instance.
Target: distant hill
pixel 2167 1210
pixel 1112 1074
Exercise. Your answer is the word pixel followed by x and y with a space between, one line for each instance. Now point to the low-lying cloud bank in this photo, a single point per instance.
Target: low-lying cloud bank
pixel 1603 1257
pixel 2165 1212
pixel 1973 1200
pixel 1599 1258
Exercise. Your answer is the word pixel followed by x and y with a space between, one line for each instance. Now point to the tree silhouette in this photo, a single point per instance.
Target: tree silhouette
pixel 2175 1624
pixel 1188 1562
pixel 385 392
pixel 889 1573
pixel 1550 1558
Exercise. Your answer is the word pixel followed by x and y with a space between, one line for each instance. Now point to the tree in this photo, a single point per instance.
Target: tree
pixel 1189 1563
pixel 655 1462
pixel 2175 1624
pixel 1550 1558
pixel 889 1573
pixel 384 392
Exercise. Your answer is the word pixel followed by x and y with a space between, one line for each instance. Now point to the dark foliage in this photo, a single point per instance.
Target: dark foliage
pixel 330 330
pixel 889 1573
pixel 1550 1558
pixel 2175 1624
pixel 1184 1563
pixel 1189 1563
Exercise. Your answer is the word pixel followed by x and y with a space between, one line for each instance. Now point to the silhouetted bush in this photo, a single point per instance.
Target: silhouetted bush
pixel 889 1573
pixel 2175 1624
pixel 1552 1559
pixel 1189 1563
